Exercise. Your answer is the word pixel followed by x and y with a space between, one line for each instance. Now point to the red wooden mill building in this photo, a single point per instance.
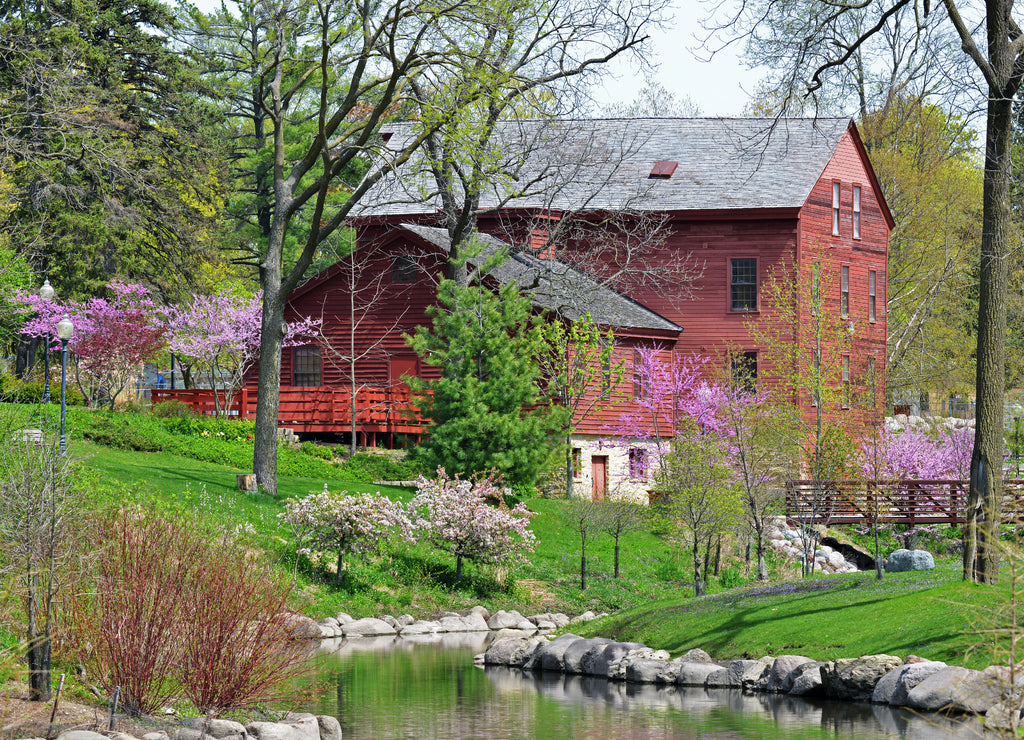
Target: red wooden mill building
pixel 664 230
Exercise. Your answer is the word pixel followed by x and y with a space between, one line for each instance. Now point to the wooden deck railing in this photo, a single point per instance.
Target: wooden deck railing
pixel 378 409
pixel 919 502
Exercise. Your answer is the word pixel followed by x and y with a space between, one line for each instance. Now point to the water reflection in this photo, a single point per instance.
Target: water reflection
pixel 427 687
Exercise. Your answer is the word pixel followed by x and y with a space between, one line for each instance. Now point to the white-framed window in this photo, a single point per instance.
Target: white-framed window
pixel 856 211
pixel 835 208
pixel 872 277
pixel 844 293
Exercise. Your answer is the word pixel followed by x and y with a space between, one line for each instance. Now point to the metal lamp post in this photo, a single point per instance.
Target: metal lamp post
pixel 64 330
pixel 46 294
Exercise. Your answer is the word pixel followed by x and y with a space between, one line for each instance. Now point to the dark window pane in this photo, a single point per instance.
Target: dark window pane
pixel 306 366
pixel 743 285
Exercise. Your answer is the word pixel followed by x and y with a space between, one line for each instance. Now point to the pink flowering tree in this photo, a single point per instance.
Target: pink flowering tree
pixel 112 340
pixel 916 455
pixel 667 389
pixel 453 515
pixel 220 335
pixel 344 523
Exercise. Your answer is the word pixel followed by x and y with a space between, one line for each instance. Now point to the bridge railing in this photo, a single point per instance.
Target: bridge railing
pixel 919 502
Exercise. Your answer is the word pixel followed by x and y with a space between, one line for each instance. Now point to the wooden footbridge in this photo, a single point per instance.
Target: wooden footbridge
pixel 915 502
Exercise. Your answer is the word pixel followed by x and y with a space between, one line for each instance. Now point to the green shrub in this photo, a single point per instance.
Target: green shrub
pixel 173 409
pixel 19 390
pixel 122 430
pixel 319 451
pixel 367 467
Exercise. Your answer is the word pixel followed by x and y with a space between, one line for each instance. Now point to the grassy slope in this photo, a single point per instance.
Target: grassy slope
pixel 931 614
pixel 412 578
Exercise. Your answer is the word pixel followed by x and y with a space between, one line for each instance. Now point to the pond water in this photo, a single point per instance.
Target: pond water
pixel 428 688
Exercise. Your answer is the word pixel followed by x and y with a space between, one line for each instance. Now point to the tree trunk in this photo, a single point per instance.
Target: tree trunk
pixel 268 388
pixel 569 472
pixel 616 555
pixel 981 530
pixel 458 569
pixel 698 584
pixel 762 566
pixel 339 577
pixel 583 562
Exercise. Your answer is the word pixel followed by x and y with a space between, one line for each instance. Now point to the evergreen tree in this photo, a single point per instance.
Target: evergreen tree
pixel 482 407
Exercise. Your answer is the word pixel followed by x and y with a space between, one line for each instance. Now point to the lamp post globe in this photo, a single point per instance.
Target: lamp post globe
pixel 64 330
pixel 46 294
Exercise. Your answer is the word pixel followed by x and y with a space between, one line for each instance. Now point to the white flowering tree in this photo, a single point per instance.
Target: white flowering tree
pixel 453 515
pixel 344 523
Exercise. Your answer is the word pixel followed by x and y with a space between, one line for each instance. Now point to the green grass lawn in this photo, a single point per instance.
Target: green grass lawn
pixel 931 614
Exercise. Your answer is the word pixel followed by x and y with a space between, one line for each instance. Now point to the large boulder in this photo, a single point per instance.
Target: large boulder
pixel 600 657
pixel 511 651
pixel 218 728
pixel 854 679
pixel 293 727
pixel 367 627
pixel 420 627
pixel 330 727
pixel 510 620
pixel 958 689
pixel 780 677
pixel 904 560
pixel 805 679
pixel 749 675
pixel 572 658
pixel 643 670
pixel 894 686
pixel 695 674
pixel 617 669
pixel 695 655
pixel 549 656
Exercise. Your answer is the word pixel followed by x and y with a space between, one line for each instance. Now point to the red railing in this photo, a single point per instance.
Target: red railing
pixel 919 502
pixel 378 409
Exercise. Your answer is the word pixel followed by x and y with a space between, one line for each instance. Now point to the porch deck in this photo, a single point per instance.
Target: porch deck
pixel 378 410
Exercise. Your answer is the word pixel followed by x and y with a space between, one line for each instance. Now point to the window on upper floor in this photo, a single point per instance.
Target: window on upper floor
pixel 743 284
pixel 871 294
pixel 404 270
pixel 306 366
pixel 844 293
pixel 835 209
pixel 856 211
pixel 577 462
pixel 640 389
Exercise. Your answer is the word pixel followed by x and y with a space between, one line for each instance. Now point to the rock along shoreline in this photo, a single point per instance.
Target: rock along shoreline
pixel 915 683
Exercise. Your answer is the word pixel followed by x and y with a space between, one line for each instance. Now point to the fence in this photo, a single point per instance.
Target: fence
pixel 915 502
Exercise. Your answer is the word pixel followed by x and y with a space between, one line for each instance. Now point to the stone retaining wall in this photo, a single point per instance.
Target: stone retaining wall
pixel 913 682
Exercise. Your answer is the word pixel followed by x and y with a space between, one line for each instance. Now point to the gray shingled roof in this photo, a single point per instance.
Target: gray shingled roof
pixel 603 164
pixel 554 286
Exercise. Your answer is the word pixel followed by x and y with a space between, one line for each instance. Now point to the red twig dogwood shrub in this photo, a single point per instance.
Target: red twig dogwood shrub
pixel 174 613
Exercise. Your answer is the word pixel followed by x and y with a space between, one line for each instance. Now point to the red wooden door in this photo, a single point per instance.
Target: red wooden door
pixel 599 474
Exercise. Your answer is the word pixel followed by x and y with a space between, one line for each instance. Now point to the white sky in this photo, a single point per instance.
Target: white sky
pixel 720 87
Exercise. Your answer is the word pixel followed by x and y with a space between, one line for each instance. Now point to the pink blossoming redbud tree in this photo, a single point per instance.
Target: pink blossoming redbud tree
pixel 345 523
pixel 220 335
pixel 453 515
pixel 113 339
